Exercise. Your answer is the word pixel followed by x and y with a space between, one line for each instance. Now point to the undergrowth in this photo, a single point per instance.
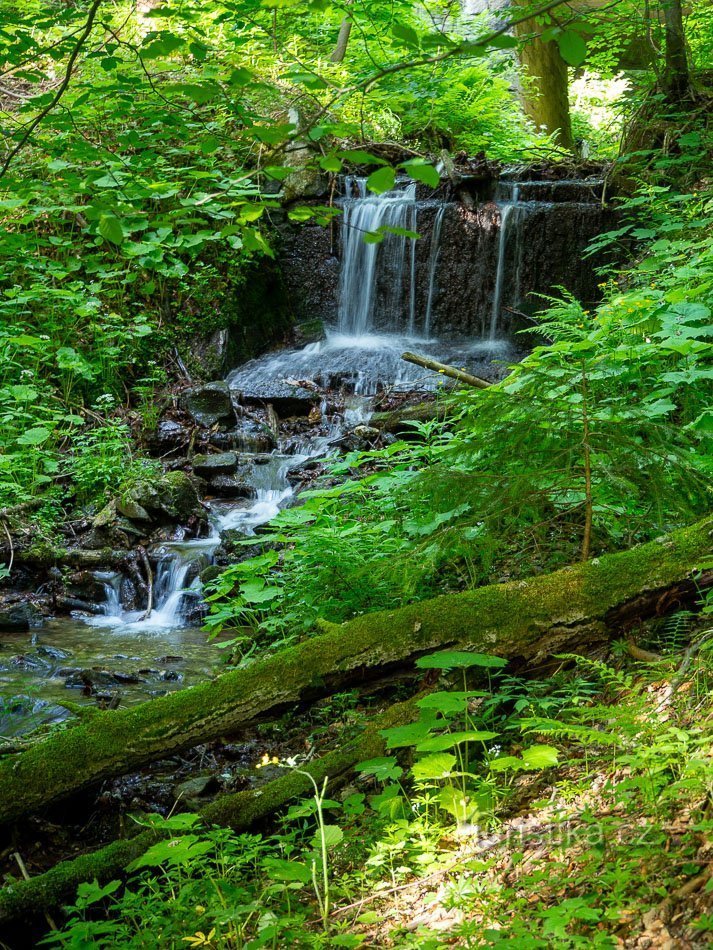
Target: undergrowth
pixel 572 811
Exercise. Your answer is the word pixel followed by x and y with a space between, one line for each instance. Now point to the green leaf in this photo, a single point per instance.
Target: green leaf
pixel 447 741
pixel 111 229
pixel 459 659
pixel 359 157
pixel 383 768
pixel 333 836
pixel 449 702
pixel 401 736
pixel 35 436
pixel 540 757
pixel 433 767
pixel 406 34
pixel 381 180
pixel 422 171
pixel 504 41
pixel 572 47
pixel 330 163
pixel 280 870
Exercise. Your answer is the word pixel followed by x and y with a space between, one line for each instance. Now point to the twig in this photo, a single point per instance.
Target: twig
pixel 26 875
pixel 446 370
pixel 9 541
pixel 149 582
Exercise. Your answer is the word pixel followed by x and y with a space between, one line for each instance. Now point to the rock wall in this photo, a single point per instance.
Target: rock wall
pixel 548 231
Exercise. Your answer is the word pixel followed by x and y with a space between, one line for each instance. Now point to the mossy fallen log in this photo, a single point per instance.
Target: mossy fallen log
pixel 27 899
pixel 570 609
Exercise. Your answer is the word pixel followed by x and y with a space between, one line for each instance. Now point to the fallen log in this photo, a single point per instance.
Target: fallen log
pixel 568 610
pixel 240 810
pixel 445 370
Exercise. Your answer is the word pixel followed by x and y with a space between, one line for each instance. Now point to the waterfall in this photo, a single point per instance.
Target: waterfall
pixel 506 210
pixel 432 262
pixel 364 261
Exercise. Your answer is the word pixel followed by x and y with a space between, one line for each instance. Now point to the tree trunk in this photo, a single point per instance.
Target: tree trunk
pixel 573 608
pixel 545 96
pixel 345 30
pixel 677 77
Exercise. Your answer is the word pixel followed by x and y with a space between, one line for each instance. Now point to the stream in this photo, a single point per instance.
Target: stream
pixel 118 654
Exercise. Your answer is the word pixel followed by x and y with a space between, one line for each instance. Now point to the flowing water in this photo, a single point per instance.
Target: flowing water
pixel 140 653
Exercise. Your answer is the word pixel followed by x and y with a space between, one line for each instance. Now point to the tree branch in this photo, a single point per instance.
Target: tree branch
pixel 61 89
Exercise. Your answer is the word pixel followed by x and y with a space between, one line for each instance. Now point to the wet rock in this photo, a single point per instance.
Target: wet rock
pixel 198 787
pixel 311 331
pixel 304 470
pixel 128 594
pixel 210 573
pixel 86 585
pixel 169 659
pixel 91 679
pixel 366 434
pixel 209 403
pixel 250 436
pixel 30 663
pixel 257 384
pixel 230 486
pixel 52 653
pixel 18 618
pixel 173 498
pixel 223 463
pixel 170 436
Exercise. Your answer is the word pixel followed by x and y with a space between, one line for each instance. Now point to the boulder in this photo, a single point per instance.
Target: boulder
pixel 231 486
pixel 18 618
pixel 209 403
pixel 222 463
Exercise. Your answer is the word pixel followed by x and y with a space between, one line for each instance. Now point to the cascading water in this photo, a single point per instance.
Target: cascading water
pixel 432 264
pixel 508 216
pixel 373 274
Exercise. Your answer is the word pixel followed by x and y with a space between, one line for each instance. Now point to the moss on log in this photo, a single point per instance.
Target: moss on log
pixel 240 810
pixel 531 618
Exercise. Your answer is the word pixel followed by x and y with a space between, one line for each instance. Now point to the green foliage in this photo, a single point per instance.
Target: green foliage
pixel 595 441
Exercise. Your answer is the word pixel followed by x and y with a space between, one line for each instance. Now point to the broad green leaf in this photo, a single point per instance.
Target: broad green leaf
pixel 333 836
pixel 381 180
pixel 359 157
pixel 34 436
pixel 572 47
pixel 540 757
pixel 433 767
pixel 278 869
pixel 449 701
pixel 111 229
pixel 448 740
pixel 459 659
pixel 422 171
pixel 401 736
pixel 383 768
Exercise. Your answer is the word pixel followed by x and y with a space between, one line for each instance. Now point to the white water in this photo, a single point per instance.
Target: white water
pixel 363 262
pixel 432 263
pixel 506 210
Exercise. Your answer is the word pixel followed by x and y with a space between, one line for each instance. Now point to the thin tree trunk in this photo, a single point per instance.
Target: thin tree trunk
pixel 571 609
pixel 677 76
pixel 345 30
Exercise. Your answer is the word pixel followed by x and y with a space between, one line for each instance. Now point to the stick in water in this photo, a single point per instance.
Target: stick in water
pixel 450 371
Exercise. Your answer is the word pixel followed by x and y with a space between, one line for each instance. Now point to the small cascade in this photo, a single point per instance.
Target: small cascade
pixel 508 216
pixel 432 264
pixel 374 275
